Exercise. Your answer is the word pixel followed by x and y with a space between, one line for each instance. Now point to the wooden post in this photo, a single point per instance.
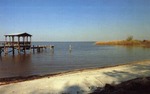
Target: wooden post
pixel 33 49
pixel 30 38
pixel 27 38
pixel 13 50
pixel 18 44
pixel 9 39
pixel 23 40
pixel 0 51
pixel 24 49
pixel 5 38
pixel 5 50
pixel 19 50
pixel 13 40
pixel 5 44
pixel 5 41
pixel 38 49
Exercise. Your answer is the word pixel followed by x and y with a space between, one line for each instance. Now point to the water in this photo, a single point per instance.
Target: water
pixel 83 55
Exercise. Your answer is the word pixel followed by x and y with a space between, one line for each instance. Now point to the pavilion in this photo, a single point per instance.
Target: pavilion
pixel 19 41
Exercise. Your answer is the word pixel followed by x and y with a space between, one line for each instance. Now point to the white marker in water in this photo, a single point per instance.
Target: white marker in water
pixel 70 48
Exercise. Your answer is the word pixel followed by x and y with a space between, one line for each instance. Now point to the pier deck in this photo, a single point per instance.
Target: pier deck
pixel 38 48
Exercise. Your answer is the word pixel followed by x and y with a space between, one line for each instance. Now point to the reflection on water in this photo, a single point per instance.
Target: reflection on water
pixel 20 58
pixel 19 65
pixel 82 55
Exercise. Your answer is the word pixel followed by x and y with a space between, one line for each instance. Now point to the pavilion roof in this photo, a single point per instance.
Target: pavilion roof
pixel 18 34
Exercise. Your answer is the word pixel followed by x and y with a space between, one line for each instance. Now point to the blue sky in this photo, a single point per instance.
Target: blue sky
pixel 76 20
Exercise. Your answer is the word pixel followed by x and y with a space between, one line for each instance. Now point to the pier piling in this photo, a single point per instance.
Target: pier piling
pixel 0 51
pixel 33 49
pixel 13 50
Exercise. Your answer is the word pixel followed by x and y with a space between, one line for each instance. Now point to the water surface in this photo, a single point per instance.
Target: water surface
pixel 83 55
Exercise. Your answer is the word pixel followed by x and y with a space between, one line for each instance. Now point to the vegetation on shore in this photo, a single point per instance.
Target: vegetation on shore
pixel 128 42
pixel 134 86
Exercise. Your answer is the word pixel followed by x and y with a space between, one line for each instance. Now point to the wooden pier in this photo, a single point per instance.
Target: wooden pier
pixel 33 48
pixel 40 48
pixel 20 42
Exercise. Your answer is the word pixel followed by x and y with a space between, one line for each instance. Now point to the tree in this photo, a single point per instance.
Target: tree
pixel 129 38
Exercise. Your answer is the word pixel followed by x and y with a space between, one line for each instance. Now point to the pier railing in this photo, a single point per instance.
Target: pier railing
pixel 17 44
pixel 22 47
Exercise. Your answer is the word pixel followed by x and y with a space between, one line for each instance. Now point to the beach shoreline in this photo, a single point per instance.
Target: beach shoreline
pixel 9 80
pixel 85 80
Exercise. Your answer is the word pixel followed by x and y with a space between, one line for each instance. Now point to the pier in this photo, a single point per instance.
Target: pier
pixel 40 48
pixel 20 42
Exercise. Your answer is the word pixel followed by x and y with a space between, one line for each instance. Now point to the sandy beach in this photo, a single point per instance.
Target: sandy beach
pixel 81 82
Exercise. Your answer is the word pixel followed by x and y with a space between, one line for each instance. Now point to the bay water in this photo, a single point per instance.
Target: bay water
pixel 68 56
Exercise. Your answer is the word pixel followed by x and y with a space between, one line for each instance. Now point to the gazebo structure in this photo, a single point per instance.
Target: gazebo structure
pixel 19 41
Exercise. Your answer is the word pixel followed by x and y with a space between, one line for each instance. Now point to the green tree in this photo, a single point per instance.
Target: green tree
pixel 129 38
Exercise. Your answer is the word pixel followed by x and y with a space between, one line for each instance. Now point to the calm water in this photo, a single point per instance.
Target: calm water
pixel 83 55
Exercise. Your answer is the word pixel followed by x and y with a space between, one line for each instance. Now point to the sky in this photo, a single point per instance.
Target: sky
pixel 76 20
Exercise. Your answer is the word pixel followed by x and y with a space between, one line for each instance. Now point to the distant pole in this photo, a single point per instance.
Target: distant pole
pixel 70 48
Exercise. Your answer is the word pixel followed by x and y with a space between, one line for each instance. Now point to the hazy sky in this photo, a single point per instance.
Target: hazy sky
pixel 76 20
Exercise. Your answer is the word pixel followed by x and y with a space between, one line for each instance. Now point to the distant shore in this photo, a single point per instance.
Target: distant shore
pixel 81 81
pixel 144 43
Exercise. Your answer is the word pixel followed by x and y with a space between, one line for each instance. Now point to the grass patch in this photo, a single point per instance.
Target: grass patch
pixel 144 43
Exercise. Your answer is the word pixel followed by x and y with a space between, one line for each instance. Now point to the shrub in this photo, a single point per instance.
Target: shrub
pixel 130 38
